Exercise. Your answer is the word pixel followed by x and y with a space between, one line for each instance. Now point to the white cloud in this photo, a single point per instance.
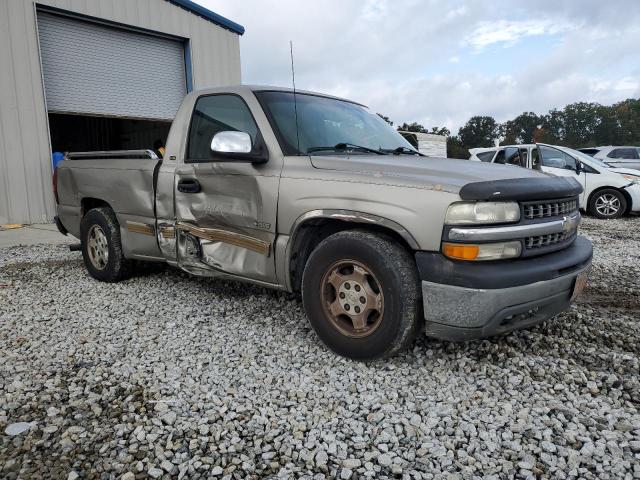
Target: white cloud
pixel 510 31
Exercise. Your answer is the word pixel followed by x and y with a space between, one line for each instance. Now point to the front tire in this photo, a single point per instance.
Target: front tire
pixel 102 247
pixel 608 203
pixel 361 294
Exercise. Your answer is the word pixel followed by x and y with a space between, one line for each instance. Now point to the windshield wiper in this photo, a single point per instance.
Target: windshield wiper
pixel 399 150
pixel 346 146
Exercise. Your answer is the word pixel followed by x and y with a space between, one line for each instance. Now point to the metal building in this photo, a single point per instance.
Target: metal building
pixel 430 144
pixel 97 75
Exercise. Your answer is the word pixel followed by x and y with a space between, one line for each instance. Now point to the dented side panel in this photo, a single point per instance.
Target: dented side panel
pixel 165 211
pixel 229 226
pixel 126 185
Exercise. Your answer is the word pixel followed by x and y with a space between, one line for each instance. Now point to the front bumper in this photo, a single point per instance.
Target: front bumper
pixel 634 192
pixel 465 300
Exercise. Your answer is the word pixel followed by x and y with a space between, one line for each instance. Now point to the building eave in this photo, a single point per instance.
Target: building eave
pixel 209 15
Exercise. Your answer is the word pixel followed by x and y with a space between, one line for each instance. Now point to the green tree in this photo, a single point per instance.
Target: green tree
pixel 552 130
pixel 479 131
pixel 607 130
pixel 441 131
pixel 456 149
pixel 581 120
pixel 412 127
pixel 627 114
pixel 521 129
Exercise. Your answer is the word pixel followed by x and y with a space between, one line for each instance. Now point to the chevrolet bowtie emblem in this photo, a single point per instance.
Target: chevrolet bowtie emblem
pixel 569 225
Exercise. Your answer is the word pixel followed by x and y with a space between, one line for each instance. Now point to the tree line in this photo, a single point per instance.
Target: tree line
pixel 580 124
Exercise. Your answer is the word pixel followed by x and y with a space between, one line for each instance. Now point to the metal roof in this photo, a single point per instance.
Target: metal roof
pixel 209 15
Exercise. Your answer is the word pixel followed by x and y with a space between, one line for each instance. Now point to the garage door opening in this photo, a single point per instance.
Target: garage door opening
pixel 82 133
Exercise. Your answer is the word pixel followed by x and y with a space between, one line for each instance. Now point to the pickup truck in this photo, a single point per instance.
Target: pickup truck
pixel 316 195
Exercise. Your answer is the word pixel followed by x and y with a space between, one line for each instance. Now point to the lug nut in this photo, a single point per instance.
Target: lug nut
pixel 357 287
pixel 363 300
pixel 357 309
pixel 347 307
pixel 347 286
pixel 342 295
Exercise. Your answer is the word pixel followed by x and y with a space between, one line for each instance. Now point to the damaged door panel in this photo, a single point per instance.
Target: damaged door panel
pixel 229 225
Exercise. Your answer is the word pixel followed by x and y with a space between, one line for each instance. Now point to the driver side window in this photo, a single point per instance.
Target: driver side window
pixel 556 159
pixel 213 114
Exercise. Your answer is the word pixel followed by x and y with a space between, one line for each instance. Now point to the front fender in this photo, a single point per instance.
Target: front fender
pixel 286 243
pixel 355 217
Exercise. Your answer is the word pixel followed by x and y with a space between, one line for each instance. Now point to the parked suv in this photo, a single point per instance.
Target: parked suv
pixel 622 157
pixel 608 192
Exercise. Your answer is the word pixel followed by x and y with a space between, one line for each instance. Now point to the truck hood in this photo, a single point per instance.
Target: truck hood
pixel 441 173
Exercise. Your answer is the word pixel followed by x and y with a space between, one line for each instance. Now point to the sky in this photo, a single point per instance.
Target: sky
pixel 439 62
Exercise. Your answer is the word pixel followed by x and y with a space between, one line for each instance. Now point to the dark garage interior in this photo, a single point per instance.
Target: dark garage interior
pixel 81 133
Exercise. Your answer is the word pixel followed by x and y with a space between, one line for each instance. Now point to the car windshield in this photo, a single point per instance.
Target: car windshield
pixel 328 126
pixel 588 159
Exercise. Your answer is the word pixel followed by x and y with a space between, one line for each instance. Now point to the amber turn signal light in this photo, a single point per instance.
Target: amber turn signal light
pixel 460 251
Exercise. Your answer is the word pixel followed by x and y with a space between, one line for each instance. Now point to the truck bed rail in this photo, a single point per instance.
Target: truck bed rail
pixel 111 154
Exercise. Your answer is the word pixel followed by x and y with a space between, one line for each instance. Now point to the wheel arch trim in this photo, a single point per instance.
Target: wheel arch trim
pixel 354 217
pixel 341 215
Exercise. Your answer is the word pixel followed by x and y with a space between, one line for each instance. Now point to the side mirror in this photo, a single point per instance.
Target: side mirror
pixel 231 142
pixel 232 145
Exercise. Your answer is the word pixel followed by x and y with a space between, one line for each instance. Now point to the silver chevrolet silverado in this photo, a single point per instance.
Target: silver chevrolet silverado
pixel 315 194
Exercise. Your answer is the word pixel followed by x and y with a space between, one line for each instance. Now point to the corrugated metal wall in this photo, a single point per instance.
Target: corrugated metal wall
pixel 25 164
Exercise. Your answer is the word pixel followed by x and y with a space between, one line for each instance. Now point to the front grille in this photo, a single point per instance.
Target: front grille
pixel 540 241
pixel 551 208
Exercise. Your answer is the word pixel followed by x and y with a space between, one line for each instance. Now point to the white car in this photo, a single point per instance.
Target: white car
pixel 616 156
pixel 609 192
pixel 482 154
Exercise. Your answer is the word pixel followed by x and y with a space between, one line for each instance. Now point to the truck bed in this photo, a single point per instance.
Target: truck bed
pixel 123 180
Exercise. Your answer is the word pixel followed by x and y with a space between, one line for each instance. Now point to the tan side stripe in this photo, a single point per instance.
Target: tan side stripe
pixel 225 236
pixel 168 233
pixel 143 228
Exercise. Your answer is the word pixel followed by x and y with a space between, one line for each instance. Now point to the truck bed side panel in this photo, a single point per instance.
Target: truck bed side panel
pixel 126 185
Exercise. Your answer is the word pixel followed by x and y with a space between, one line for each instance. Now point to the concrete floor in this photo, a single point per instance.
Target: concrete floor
pixel 33 235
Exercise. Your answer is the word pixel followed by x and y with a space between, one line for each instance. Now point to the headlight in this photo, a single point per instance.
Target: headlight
pixel 474 213
pixel 482 251
pixel 631 178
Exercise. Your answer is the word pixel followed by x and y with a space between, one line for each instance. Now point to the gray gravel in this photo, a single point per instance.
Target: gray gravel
pixel 166 376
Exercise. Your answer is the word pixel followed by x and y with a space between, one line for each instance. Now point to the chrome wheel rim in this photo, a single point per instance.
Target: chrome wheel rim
pixel 607 204
pixel 352 298
pixel 97 247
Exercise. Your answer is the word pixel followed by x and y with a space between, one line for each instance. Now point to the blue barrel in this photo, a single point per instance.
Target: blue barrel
pixel 56 158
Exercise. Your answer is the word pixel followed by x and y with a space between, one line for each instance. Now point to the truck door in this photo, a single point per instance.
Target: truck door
pixel 561 164
pixel 226 203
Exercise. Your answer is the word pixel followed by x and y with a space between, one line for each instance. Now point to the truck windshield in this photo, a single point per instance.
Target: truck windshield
pixel 328 126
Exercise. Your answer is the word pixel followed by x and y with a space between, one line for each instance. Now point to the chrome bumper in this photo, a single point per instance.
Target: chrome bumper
pixel 459 313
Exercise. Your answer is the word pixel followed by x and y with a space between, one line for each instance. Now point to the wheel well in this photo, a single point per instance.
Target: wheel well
pixel 624 193
pixel 311 233
pixel 90 203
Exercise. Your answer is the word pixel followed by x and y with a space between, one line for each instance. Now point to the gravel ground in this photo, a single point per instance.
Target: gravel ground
pixel 166 375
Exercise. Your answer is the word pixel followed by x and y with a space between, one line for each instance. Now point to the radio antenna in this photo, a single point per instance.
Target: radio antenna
pixel 295 101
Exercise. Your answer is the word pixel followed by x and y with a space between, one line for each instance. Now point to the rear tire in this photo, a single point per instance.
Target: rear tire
pixel 607 203
pixel 361 293
pixel 102 246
